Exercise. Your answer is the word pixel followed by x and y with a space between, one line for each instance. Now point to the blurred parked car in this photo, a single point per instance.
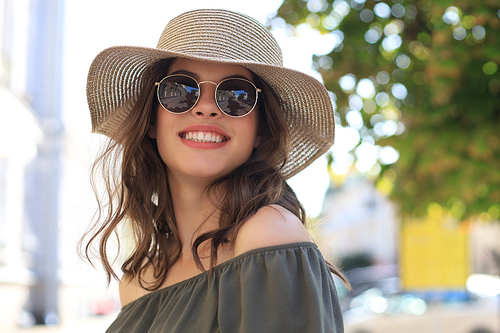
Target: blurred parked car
pixel 471 311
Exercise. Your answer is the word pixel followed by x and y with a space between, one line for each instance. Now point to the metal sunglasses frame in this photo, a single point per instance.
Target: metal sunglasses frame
pixel 257 91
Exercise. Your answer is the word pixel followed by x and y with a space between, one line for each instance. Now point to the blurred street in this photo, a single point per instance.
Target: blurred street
pixel 478 317
pixel 90 308
pixel 83 325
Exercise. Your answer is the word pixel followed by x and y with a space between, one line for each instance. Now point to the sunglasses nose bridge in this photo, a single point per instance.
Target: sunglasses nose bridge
pixel 209 98
pixel 202 82
pixel 211 82
pixel 215 84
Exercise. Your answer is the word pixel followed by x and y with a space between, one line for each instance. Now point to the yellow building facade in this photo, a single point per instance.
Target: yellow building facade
pixel 434 254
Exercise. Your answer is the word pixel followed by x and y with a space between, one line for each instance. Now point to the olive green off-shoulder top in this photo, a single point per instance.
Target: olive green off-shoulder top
pixel 285 288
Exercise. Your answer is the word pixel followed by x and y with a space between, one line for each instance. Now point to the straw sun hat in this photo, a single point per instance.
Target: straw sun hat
pixel 224 37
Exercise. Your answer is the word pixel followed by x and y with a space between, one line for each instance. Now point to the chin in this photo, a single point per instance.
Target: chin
pixel 211 175
pixel 204 171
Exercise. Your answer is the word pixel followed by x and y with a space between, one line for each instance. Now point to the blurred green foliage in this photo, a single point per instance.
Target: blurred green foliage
pixel 446 54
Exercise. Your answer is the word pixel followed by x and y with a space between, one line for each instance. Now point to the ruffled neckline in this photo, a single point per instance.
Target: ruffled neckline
pixel 220 267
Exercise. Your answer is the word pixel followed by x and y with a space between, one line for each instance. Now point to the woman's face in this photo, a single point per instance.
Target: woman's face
pixel 204 143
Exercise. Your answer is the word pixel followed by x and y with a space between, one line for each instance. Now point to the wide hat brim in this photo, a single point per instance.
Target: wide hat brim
pixel 115 74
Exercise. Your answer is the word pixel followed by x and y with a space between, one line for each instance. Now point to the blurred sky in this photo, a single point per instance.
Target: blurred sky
pixel 93 25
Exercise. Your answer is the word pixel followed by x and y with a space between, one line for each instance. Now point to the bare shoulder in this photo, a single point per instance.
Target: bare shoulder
pixel 130 289
pixel 271 225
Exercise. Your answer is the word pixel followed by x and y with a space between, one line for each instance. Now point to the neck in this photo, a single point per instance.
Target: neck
pixel 194 213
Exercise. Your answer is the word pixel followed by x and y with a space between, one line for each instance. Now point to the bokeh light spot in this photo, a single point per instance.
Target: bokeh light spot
pixel 376 118
pixel 382 10
pixel 494 86
pixel 355 102
pixel 315 6
pixel 417 307
pixel 451 15
pixel 383 77
pixel 494 211
pixel 341 7
pixel 434 210
pixel 391 43
pixel 278 23
pixel 367 154
pixel 382 99
pixel 457 207
pixel 347 82
pixel 365 88
pixel 403 61
pixel 378 304
pixel 347 137
pixel 398 10
pixel 313 20
pixel 468 21
pixel 399 91
pixel 373 34
pixel 459 33
pixel 388 155
pixel 379 129
pixel 325 62
pixel 490 68
pixel 410 12
pixel 354 119
pixel 390 128
pixel 478 32
pixel 366 15
pixel 330 22
pixel 391 113
pixel 394 28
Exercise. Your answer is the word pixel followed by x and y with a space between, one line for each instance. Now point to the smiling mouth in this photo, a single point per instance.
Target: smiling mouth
pixel 199 136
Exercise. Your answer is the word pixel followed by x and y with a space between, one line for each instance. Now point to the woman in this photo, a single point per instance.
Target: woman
pixel 205 129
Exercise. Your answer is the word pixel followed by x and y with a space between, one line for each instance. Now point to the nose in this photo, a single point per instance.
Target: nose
pixel 206 105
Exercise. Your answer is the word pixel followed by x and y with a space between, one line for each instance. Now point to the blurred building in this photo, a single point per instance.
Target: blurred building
pixel 485 247
pixel 359 221
pixel 430 256
pixel 30 132
pixel 434 255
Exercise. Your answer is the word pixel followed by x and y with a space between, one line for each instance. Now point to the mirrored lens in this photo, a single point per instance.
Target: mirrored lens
pixel 178 93
pixel 236 97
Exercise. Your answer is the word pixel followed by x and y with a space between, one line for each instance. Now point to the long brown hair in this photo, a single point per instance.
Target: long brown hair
pixel 140 192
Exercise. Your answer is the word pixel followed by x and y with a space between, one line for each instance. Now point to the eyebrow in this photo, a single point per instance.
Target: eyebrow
pixel 197 77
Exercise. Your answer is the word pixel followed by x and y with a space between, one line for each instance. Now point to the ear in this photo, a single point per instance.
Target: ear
pixel 152 131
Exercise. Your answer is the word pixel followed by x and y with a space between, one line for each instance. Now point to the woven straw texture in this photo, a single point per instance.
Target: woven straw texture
pixel 225 37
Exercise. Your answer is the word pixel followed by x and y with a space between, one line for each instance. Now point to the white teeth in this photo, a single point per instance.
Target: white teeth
pixel 203 137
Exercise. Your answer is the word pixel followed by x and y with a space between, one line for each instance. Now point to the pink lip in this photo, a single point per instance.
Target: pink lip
pixel 204 128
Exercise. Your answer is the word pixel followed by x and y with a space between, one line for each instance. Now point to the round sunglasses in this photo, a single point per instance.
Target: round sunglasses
pixel 179 93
